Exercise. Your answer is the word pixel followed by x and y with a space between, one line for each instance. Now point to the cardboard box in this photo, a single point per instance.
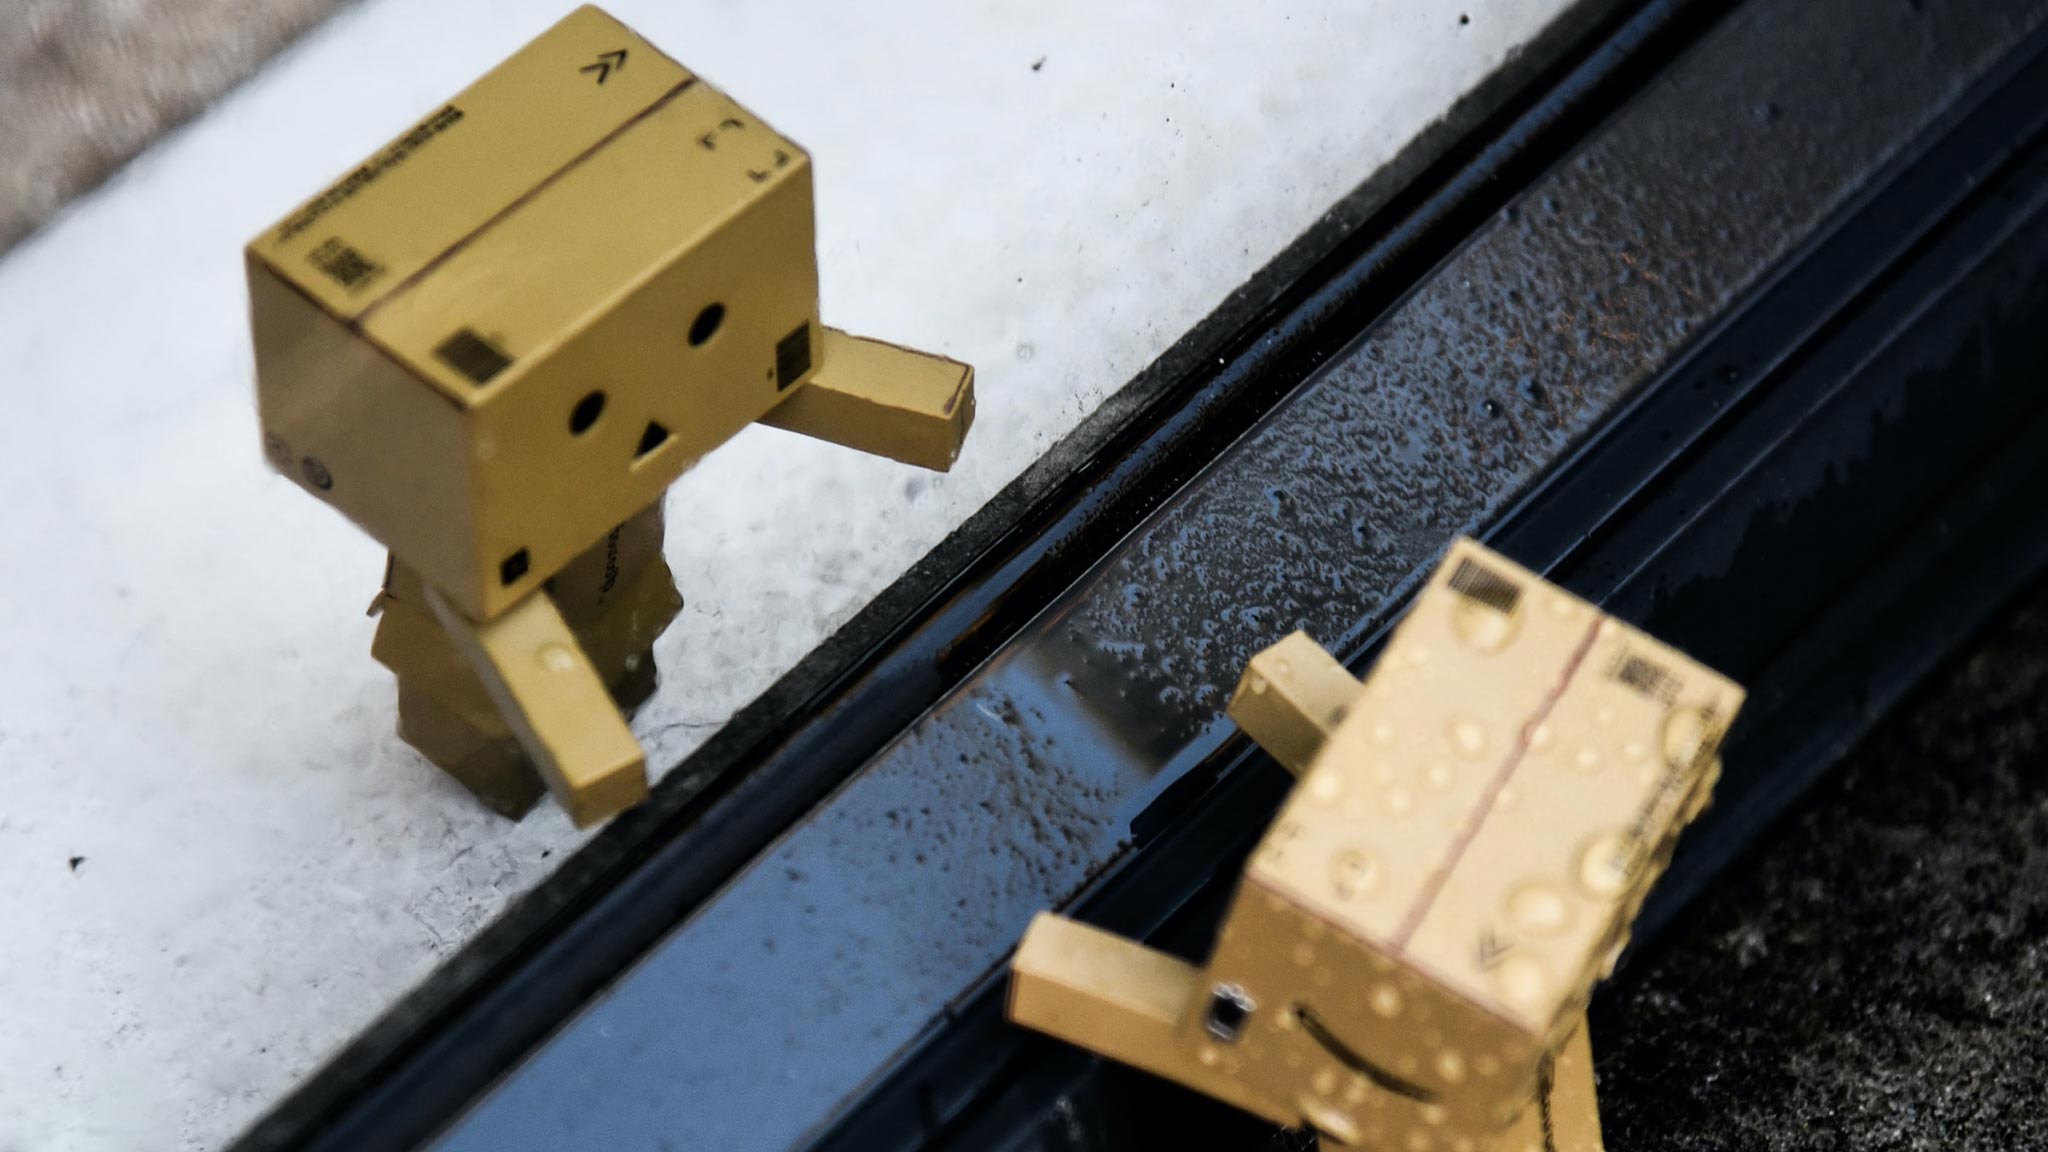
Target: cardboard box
pixel 1463 857
pixel 513 327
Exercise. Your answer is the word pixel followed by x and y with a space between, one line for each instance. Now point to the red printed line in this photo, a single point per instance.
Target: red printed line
pixel 1435 885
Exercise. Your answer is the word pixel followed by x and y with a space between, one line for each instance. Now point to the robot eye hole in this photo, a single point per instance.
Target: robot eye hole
pixel 705 326
pixel 1230 1007
pixel 586 412
pixel 514 567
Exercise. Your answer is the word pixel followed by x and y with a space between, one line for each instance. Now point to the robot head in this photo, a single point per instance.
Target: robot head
pixel 517 324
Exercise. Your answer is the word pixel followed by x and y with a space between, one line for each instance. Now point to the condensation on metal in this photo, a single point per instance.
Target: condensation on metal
pixel 798 982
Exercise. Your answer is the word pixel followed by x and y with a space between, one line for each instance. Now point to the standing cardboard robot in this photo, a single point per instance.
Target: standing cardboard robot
pixel 495 344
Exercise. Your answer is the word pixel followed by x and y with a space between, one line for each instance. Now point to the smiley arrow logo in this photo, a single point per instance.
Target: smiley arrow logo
pixel 1492 948
pixel 605 63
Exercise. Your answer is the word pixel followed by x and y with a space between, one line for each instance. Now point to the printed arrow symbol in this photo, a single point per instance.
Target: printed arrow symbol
pixel 1491 949
pixel 605 64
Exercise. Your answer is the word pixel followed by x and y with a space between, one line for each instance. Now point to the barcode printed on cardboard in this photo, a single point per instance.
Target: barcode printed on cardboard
pixel 344 264
pixel 1646 677
pixel 1479 583
pixel 473 356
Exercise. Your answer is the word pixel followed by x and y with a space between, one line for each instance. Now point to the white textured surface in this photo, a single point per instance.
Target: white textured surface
pixel 186 696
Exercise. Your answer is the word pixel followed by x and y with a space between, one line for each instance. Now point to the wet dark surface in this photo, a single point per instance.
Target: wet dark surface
pixel 793 986
pixel 1875 974
pixel 1833 542
pixel 1587 285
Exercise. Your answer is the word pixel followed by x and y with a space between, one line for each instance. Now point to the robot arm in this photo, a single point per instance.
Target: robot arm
pixel 556 704
pixel 878 398
pixel 1291 698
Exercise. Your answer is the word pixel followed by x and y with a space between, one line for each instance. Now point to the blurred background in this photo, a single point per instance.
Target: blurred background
pixel 86 84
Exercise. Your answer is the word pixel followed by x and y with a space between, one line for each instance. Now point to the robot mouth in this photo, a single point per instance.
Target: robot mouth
pixel 1350 1058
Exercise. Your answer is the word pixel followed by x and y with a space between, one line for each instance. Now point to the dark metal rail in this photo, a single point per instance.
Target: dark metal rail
pixel 1824 497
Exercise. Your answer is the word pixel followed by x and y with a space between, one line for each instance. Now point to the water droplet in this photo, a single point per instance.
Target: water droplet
pixel 1327 1119
pixel 1354 873
pixel 1539 909
pixel 1468 736
pixel 1439 776
pixel 1385 999
pixel 1604 866
pixel 1480 627
pixel 1522 981
pixel 556 657
pixel 1325 787
pixel 1687 736
pixel 1587 759
pixel 1450 1066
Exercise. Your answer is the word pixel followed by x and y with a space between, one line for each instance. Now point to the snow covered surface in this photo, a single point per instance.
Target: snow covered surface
pixel 217 862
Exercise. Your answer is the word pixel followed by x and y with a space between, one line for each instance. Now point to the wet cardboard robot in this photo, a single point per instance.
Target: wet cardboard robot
pixel 1407 960
pixel 495 344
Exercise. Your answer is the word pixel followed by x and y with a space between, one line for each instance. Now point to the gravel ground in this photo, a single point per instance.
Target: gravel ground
pixel 85 84
pixel 1875 976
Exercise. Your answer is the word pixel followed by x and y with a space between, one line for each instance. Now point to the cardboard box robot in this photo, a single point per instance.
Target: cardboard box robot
pixel 494 345
pixel 1408 957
